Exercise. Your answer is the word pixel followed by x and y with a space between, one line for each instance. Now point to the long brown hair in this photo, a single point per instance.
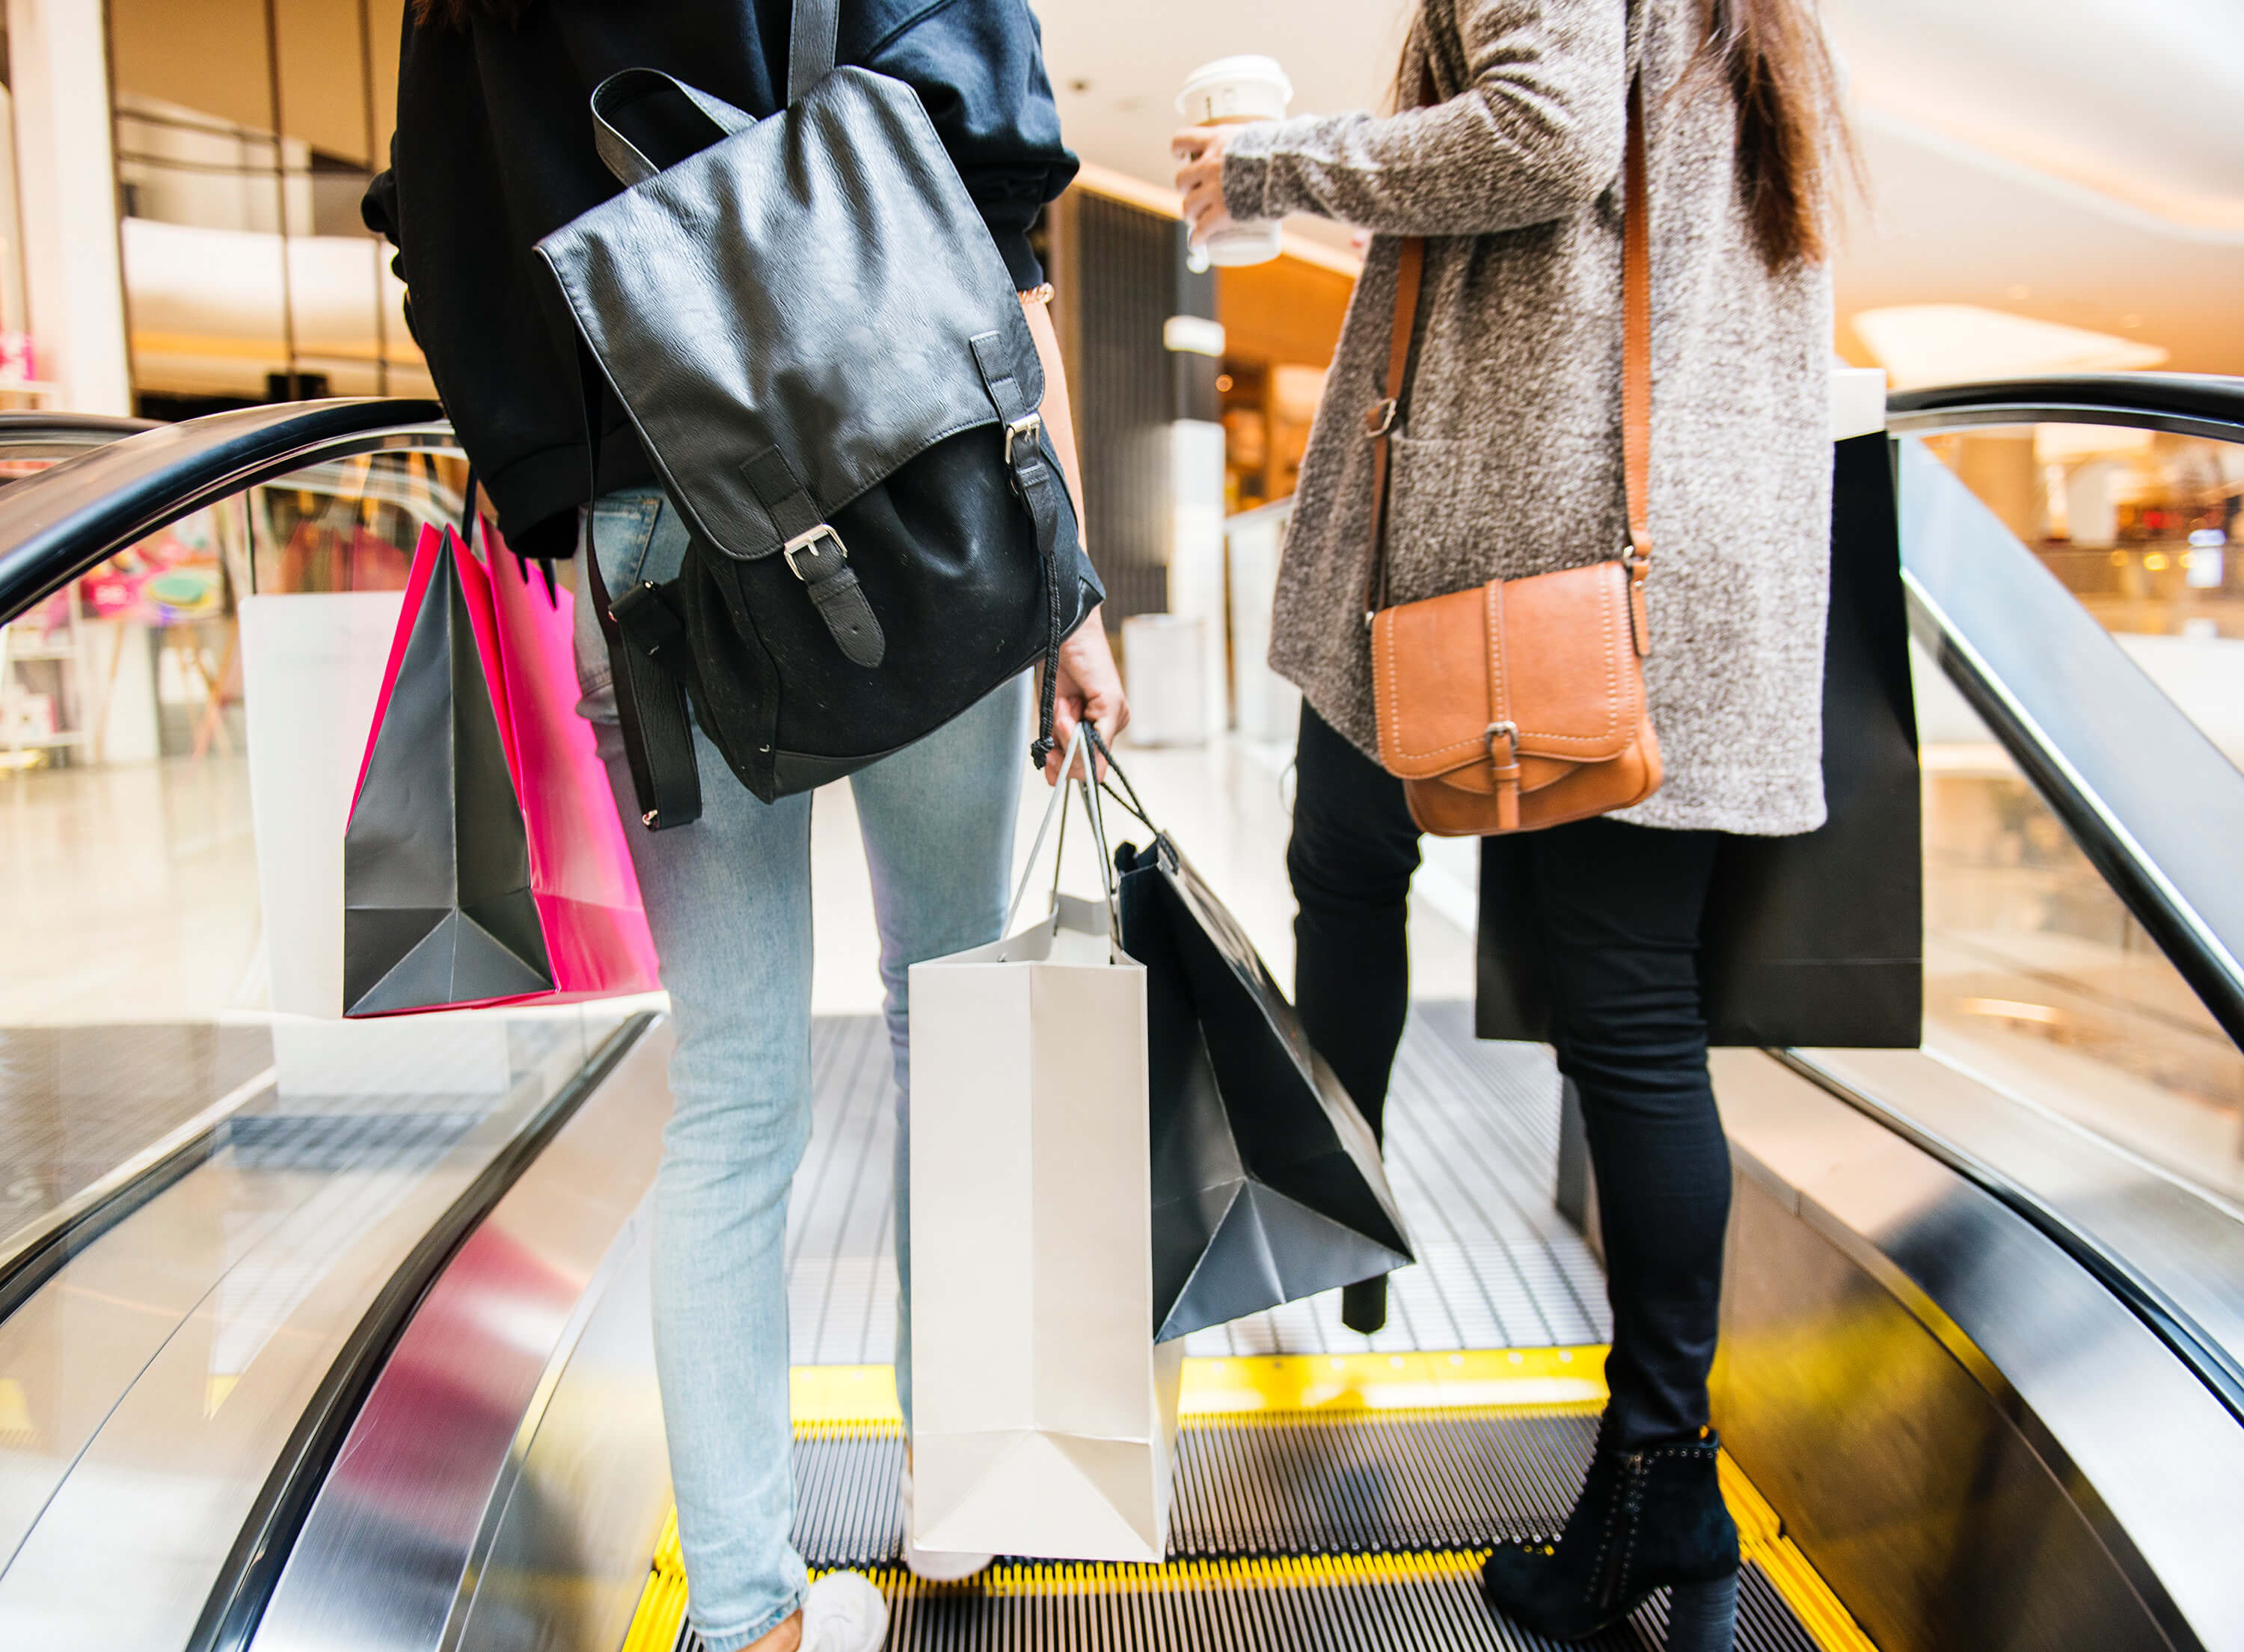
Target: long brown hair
pixel 1793 148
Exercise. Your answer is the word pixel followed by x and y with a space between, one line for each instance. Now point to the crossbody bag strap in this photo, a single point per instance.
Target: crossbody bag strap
pixel 1379 420
pixel 1635 356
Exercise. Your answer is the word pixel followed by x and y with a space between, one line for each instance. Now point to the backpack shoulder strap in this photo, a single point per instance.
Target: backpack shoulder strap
pixel 810 45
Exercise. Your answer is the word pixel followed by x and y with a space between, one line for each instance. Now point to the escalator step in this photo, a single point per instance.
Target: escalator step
pixel 1422 1602
pixel 1378 1482
pixel 1359 1525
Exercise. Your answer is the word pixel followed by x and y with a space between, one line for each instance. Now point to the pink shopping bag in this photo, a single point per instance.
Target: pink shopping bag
pixel 484 863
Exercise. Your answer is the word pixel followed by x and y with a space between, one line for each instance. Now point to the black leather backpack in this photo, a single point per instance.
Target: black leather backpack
pixel 825 358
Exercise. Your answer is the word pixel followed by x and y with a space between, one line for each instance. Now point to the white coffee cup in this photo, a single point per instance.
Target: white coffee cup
pixel 1231 92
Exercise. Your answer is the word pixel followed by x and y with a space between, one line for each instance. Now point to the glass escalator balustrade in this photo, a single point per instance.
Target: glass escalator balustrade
pixel 173 887
pixel 2037 975
pixel 186 909
pixel 133 850
pixel 2147 529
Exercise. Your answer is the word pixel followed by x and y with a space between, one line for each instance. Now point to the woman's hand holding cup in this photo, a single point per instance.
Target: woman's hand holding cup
pixel 1219 98
pixel 1199 154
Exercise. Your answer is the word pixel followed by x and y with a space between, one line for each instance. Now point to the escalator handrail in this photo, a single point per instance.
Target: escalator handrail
pixel 19 426
pixel 2186 403
pixel 2143 791
pixel 66 521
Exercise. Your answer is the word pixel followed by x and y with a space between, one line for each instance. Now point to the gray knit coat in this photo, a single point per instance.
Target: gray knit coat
pixel 1508 459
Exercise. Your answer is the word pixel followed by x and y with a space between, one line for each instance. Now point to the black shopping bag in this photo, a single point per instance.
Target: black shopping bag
pixel 1812 940
pixel 437 905
pixel 1268 1185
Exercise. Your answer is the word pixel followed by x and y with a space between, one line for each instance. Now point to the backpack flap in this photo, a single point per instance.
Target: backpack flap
pixel 815 288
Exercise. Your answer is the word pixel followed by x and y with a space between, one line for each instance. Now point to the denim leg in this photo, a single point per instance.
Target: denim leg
pixel 728 900
pixel 937 820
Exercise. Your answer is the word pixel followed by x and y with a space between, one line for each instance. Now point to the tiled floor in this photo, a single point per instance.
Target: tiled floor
pixel 76 1102
pixel 1472 1144
pixel 140 881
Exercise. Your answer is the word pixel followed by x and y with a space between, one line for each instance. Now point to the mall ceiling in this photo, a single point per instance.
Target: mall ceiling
pixel 2075 161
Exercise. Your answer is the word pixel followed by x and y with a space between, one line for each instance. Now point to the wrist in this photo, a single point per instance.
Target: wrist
pixel 1241 184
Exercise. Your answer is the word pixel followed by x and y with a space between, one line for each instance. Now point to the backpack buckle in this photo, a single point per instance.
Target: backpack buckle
pixel 805 541
pixel 1029 425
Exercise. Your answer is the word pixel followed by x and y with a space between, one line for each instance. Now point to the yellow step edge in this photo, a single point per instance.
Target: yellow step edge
pixel 1288 1388
pixel 1761 1538
pixel 845 1398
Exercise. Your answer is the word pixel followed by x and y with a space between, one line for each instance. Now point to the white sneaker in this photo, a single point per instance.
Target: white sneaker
pixel 934 1565
pixel 844 1613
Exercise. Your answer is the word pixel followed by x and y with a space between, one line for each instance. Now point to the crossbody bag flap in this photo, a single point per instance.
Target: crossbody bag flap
pixel 1542 653
pixel 818 282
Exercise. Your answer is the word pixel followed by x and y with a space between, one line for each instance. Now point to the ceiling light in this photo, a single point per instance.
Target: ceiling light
pixel 1922 344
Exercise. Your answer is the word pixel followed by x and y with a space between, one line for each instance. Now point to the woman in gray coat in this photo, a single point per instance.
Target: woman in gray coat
pixel 1506 462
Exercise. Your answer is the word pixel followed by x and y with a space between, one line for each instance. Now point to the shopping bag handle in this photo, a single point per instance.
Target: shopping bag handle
pixel 468 517
pixel 1056 809
pixel 1099 744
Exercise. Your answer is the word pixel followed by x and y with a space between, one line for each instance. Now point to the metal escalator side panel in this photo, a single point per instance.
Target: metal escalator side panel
pixel 196 1338
pixel 235 1605
pixel 442 1489
pixel 1975 1442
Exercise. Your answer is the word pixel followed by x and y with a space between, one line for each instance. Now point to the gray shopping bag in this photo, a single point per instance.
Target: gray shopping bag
pixel 437 907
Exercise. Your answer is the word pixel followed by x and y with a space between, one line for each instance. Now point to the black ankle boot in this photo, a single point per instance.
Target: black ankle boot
pixel 1645 1519
pixel 1363 1305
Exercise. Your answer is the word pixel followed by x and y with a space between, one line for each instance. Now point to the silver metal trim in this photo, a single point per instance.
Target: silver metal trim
pixel 192 1335
pixel 2127 1439
pixel 437 1493
pixel 2170 1251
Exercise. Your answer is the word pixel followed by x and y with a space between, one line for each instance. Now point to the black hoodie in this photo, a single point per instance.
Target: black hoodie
pixel 494 151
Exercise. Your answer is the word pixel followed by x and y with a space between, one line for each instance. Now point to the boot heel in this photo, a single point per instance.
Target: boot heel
pixel 1364 1305
pixel 1703 1617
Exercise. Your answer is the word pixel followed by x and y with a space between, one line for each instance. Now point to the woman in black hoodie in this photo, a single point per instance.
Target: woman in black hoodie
pixel 494 151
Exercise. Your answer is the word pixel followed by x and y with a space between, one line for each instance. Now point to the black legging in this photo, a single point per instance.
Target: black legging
pixel 1618 909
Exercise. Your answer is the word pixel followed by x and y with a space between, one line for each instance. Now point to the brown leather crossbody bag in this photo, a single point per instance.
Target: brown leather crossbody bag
pixel 1521 704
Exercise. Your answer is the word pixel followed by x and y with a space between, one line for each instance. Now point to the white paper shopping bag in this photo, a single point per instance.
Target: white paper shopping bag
pixel 311 669
pixel 1043 1414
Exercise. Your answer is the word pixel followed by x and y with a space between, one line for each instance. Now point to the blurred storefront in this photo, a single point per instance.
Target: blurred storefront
pixel 186 238
pixel 246 131
pixel 2147 529
pixel 1193 393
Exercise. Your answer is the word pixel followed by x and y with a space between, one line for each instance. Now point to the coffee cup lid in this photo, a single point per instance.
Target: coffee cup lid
pixel 1250 67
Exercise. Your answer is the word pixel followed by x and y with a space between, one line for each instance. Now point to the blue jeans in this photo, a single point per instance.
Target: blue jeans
pixel 728 899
